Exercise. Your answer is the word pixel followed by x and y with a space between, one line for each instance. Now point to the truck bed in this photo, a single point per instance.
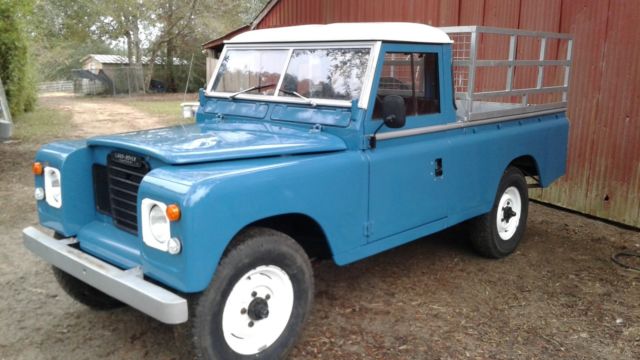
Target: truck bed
pixel 509 73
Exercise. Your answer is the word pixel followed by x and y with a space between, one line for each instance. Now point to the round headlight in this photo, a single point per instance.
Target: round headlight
pixel 159 224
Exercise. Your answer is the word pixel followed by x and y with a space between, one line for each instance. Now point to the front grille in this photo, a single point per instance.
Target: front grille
pixel 123 177
pixel 101 189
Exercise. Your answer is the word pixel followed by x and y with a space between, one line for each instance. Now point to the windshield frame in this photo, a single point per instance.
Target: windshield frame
pixel 367 81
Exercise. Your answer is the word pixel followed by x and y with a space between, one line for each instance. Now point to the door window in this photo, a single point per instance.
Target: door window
pixel 414 77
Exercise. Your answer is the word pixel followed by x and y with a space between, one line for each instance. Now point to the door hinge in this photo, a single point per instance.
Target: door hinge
pixel 368 228
pixel 366 143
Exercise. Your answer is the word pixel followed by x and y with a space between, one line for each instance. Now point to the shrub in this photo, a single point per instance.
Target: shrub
pixel 16 69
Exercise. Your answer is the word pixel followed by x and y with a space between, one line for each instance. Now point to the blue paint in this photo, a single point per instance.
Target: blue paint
pixel 233 139
pixel 72 158
pixel 102 239
pixel 243 161
pixel 235 108
pixel 326 187
pixel 314 115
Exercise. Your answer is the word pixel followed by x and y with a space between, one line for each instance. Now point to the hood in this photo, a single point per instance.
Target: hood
pixel 221 141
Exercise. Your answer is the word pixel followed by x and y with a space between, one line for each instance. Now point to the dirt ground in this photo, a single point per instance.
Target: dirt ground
pixel 558 297
pixel 97 116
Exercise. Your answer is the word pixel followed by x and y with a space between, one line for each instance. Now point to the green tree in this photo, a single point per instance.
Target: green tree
pixel 210 20
pixel 118 19
pixel 64 31
pixel 61 31
pixel 16 70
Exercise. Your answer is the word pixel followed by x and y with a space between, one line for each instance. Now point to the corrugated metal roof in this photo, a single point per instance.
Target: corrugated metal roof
pixel 603 174
pixel 119 59
pixel 110 59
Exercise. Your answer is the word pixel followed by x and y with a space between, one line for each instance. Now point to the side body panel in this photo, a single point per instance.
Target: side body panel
pixel 405 190
pixel 220 199
pixel 473 165
pixel 225 197
pixel 408 201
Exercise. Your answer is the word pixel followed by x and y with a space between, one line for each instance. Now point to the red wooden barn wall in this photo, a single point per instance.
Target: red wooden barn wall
pixel 603 175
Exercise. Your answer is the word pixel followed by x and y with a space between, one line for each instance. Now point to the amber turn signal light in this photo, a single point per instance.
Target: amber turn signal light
pixel 37 168
pixel 173 212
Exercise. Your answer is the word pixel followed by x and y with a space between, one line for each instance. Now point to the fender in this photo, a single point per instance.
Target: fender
pixel 72 158
pixel 223 198
pixel 500 144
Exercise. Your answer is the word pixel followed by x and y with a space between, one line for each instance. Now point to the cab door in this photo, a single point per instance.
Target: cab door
pixel 408 171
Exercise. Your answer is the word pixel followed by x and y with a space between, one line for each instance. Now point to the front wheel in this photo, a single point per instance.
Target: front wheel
pixel 82 292
pixel 258 300
pixel 499 232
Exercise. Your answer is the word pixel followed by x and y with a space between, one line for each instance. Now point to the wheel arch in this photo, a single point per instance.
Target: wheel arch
pixel 527 164
pixel 302 228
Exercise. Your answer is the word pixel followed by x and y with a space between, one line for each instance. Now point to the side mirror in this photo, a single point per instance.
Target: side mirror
pixel 394 111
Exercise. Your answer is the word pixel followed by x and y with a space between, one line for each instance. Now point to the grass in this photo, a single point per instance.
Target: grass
pixel 42 125
pixel 31 130
pixel 169 109
pixel 45 124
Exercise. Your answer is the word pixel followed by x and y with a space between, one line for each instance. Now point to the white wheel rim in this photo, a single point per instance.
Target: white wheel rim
pixel 509 210
pixel 243 332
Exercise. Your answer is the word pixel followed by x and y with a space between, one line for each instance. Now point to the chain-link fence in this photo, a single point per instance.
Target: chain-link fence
pixel 122 79
pixel 110 80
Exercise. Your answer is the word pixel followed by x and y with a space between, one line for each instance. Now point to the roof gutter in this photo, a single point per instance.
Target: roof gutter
pixel 219 42
pixel 265 10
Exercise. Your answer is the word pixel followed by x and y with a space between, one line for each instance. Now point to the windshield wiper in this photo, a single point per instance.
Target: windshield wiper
pixel 294 93
pixel 260 87
pixel 257 87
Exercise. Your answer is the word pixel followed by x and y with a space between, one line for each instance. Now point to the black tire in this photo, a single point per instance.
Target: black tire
pixel 253 248
pixel 83 293
pixel 483 230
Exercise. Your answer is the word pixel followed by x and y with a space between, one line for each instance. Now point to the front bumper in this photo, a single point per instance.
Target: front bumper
pixel 127 286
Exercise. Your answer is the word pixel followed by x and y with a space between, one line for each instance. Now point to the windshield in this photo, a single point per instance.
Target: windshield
pixel 327 73
pixel 245 69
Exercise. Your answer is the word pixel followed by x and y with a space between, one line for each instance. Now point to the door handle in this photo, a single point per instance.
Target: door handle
pixel 438 168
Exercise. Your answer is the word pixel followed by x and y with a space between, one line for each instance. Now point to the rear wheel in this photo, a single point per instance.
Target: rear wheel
pixel 499 232
pixel 258 300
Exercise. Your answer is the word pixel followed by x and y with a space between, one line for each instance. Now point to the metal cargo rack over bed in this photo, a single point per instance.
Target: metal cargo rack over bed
pixel 502 73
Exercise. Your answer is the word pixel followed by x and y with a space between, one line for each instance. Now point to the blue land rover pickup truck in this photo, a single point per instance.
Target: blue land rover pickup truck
pixel 330 141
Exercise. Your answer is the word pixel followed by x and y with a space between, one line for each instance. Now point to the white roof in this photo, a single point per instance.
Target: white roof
pixel 119 59
pixel 109 59
pixel 364 31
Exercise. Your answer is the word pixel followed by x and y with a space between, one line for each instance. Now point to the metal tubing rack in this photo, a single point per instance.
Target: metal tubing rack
pixel 476 102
